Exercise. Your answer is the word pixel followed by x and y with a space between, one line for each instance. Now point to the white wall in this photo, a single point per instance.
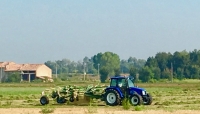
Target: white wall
pixel 44 71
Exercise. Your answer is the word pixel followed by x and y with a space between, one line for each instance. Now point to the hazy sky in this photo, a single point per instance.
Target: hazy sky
pixel 36 31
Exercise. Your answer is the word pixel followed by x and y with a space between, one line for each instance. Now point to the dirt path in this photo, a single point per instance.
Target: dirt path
pixel 91 111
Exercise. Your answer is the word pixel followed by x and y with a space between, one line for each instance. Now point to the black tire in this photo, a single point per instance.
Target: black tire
pixel 112 97
pixel 54 95
pixel 71 99
pixel 60 100
pixel 148 100
pixel 102 97
pixel 77 98
pixel 136 99
pixel 44 100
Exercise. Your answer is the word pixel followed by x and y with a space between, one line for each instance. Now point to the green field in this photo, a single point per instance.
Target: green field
pixel 183 95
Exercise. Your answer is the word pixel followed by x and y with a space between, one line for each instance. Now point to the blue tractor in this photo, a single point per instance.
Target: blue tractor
pixel 123 87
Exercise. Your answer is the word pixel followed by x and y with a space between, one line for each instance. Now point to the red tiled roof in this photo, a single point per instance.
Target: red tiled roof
pixel 3 64
pixel 30 66
pixel 11 66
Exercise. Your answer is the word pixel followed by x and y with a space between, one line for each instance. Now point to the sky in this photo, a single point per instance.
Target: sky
pixel 36 31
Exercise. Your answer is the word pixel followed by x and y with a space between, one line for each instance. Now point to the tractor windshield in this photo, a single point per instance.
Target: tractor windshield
pixel 130 83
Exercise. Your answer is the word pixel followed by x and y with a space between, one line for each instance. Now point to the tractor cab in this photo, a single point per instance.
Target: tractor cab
pixel 122 82
pixel 125 85
pixel 118 82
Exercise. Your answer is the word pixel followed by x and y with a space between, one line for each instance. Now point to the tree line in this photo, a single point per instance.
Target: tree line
pixel 102 63
pixel 179 65
pixel 163 65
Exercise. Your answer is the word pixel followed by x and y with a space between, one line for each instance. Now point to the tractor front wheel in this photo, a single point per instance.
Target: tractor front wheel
pixel 148 100
pixel 136 99
pixel 44 100
pixel 112 98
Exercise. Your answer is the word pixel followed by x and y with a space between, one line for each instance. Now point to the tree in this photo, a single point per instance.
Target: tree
pixel 195 72
pixel 151 62
pixel 117 72
pixel 51 65
pixel 107 60
pixel 157 73
pixel 162 60
pixel 124 66
pixel 89 65
pixel 146 74
pixel 166 74
pixel 97 60
pixel 104 74
pixel 180 74
pixel 133 72
pixel 138 63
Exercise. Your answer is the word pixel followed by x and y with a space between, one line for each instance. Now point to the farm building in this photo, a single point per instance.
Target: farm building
pixel 28 72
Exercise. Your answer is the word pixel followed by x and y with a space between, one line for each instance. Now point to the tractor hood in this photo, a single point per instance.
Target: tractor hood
pixel 137 88
pixel 140 91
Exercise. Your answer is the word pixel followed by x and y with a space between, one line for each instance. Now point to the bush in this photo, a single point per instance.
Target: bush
pixel 126 104
pixel 13 77
pixel 152 80
pixel 57 80
pixel 47 110
pixel 37 80
pixel 138 108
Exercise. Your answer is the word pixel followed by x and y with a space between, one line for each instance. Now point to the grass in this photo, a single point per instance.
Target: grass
pixel 92 107
pixel 138 108
pixel 126 104
pixel 166 96
pixel 21 90
pixel 47 110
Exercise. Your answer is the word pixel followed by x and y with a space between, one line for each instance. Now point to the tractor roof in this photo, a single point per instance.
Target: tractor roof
pixel 118 77
pixel 122 77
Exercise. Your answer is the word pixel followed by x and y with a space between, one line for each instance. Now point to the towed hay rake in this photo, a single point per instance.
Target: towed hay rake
pixel 72 93
pixel 120 88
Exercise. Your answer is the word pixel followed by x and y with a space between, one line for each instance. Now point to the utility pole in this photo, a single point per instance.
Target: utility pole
pixel 171 72
pixel 98 72
pixel 75 68
pixel 1 73
pixel 84 71
pixel 56 70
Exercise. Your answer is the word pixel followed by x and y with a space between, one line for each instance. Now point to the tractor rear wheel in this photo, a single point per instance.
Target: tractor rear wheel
pixel 148 100
pixel 112 97
pixel 44 100
pixel 136 99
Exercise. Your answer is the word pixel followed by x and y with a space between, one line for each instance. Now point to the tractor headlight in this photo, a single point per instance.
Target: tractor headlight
pixel 143 93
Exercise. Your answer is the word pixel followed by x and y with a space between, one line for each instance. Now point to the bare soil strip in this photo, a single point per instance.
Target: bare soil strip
pixel 87 111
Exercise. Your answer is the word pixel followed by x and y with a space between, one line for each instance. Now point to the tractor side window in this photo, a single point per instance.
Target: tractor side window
pixel 130 83
pixel 121 82
pixel 113 82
